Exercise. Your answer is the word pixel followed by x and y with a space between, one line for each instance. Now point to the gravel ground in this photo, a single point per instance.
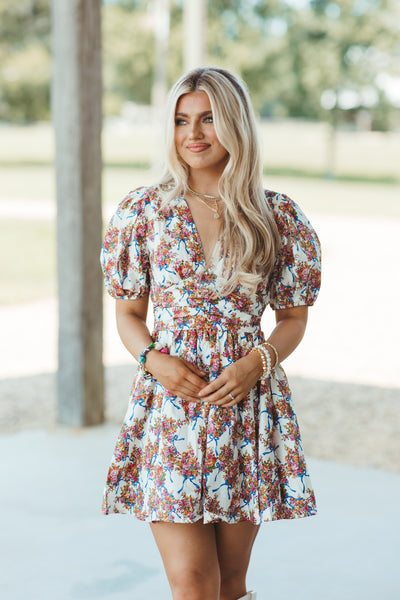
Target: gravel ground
pixel 347 423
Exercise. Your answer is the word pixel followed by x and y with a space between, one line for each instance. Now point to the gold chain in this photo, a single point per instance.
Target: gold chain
pixel 203 197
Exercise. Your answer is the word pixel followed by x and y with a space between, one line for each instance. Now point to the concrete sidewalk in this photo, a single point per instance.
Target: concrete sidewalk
pixel 57 546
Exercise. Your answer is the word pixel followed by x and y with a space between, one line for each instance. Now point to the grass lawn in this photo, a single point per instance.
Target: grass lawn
pixel 289 146
pixel 340 197
pixel 22 184
pixel 28 269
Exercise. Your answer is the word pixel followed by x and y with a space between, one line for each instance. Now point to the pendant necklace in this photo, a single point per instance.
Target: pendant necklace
pixel 203 198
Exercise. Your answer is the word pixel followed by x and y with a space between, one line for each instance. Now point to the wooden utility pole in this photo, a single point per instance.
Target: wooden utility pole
pixel 77 114
pixel 194 27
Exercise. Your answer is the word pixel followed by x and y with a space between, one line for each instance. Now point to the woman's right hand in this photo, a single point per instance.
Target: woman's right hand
pixel 177 375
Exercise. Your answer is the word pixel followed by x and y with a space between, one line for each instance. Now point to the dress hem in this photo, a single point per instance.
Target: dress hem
pixel 208 521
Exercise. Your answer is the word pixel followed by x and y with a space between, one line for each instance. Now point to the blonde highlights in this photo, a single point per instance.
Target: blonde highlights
pixel 250 235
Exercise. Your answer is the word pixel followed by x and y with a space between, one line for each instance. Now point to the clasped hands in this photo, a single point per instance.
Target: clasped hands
pixel 187 381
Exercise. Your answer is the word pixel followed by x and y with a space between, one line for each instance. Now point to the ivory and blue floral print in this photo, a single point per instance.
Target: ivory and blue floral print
pixel 183 461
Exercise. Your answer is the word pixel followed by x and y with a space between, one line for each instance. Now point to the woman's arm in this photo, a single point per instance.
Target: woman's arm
pixel 241 376
pixel 131 324
pixel 177 375
pixel 289 331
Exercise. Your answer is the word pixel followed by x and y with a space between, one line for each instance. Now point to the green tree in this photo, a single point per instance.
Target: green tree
pixel 337 51
pixel 292 58
pixel 25 60
pixel 127 55
pixel 340 51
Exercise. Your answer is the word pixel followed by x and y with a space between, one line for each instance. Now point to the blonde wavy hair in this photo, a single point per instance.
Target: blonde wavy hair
pixel 250 237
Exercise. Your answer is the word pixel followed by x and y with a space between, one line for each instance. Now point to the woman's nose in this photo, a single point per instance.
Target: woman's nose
pixel 195 130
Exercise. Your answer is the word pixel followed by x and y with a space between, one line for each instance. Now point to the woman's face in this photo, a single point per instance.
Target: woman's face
pixel 195 138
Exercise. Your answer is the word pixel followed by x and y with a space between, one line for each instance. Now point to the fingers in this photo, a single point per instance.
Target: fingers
pixel 234 383
pixel 225 396
pixel 211 387
pixel 221 392
pixel 195 369
pixel 184 388
pixel 220 387
pixel 185 380
pixel 178 376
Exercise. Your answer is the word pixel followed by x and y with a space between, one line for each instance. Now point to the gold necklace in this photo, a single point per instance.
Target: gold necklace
pixel 203 197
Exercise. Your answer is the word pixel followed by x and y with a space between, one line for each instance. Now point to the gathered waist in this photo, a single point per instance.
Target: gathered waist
pixel 177 318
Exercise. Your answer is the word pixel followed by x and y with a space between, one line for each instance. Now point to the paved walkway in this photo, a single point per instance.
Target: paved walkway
pixel 56 545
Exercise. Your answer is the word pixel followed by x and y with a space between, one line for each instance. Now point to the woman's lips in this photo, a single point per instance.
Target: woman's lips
pixel 198 147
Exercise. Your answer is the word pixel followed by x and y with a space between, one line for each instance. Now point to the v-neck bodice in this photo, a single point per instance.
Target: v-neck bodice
pixel 215 254
pixel 155 247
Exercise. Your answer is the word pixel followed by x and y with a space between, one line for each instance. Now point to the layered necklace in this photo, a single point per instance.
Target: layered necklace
pixel 204 198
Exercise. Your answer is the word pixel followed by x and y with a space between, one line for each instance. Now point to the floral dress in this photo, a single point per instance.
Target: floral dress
pixel 182 461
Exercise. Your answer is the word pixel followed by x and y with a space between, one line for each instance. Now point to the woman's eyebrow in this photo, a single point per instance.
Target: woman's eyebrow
pixel 203 114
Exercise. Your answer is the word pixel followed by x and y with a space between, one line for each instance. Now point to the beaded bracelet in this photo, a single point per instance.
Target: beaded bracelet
pixel 160 348
pixel 268 361
pixel 142 356
pixel 275 351
pixel 266 366
pixel 156 346
pixel 142 360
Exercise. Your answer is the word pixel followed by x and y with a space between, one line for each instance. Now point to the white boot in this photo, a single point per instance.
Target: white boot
pixel 249 596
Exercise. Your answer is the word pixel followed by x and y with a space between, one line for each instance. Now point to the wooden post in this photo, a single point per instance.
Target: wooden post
pixel 194 26
pixel 77 114
pixel 161 26
pixel 161 18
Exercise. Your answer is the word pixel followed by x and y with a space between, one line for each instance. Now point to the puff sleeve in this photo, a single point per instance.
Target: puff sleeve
pixel 296 276
pixel 124 257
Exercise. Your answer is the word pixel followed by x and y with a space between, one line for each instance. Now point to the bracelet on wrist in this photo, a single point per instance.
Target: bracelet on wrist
pixel 142 360
pixel 142 357
pixel 268 361
pixel 268 367
pixel 160 348
pixel 265 359
pixel 275 351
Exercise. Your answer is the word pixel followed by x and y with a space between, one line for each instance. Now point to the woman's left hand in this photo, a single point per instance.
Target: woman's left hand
pixel 234 383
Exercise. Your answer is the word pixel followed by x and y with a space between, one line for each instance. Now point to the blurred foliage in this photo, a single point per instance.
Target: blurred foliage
pixel 25 60
pixel 127 65
pixel 290 55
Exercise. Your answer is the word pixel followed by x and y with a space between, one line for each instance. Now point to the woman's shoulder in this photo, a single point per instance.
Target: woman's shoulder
pixel 139 198
pixel 139 202
pixel 281 203
pixel 285 210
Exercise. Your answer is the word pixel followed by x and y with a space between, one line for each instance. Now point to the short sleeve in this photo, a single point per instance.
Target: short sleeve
pixel 124 256
pixel 296 276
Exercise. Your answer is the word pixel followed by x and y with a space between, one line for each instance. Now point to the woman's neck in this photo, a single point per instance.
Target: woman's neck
pixel 203 184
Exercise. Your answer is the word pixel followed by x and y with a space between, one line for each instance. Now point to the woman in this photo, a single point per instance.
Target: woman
pixel 210 445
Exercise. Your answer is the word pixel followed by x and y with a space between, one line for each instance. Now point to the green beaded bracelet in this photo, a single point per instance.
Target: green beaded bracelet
pixel 142 360
pixel 142 357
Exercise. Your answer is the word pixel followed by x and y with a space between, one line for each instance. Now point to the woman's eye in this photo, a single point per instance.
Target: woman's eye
pixel 209 119
pixel 180 122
